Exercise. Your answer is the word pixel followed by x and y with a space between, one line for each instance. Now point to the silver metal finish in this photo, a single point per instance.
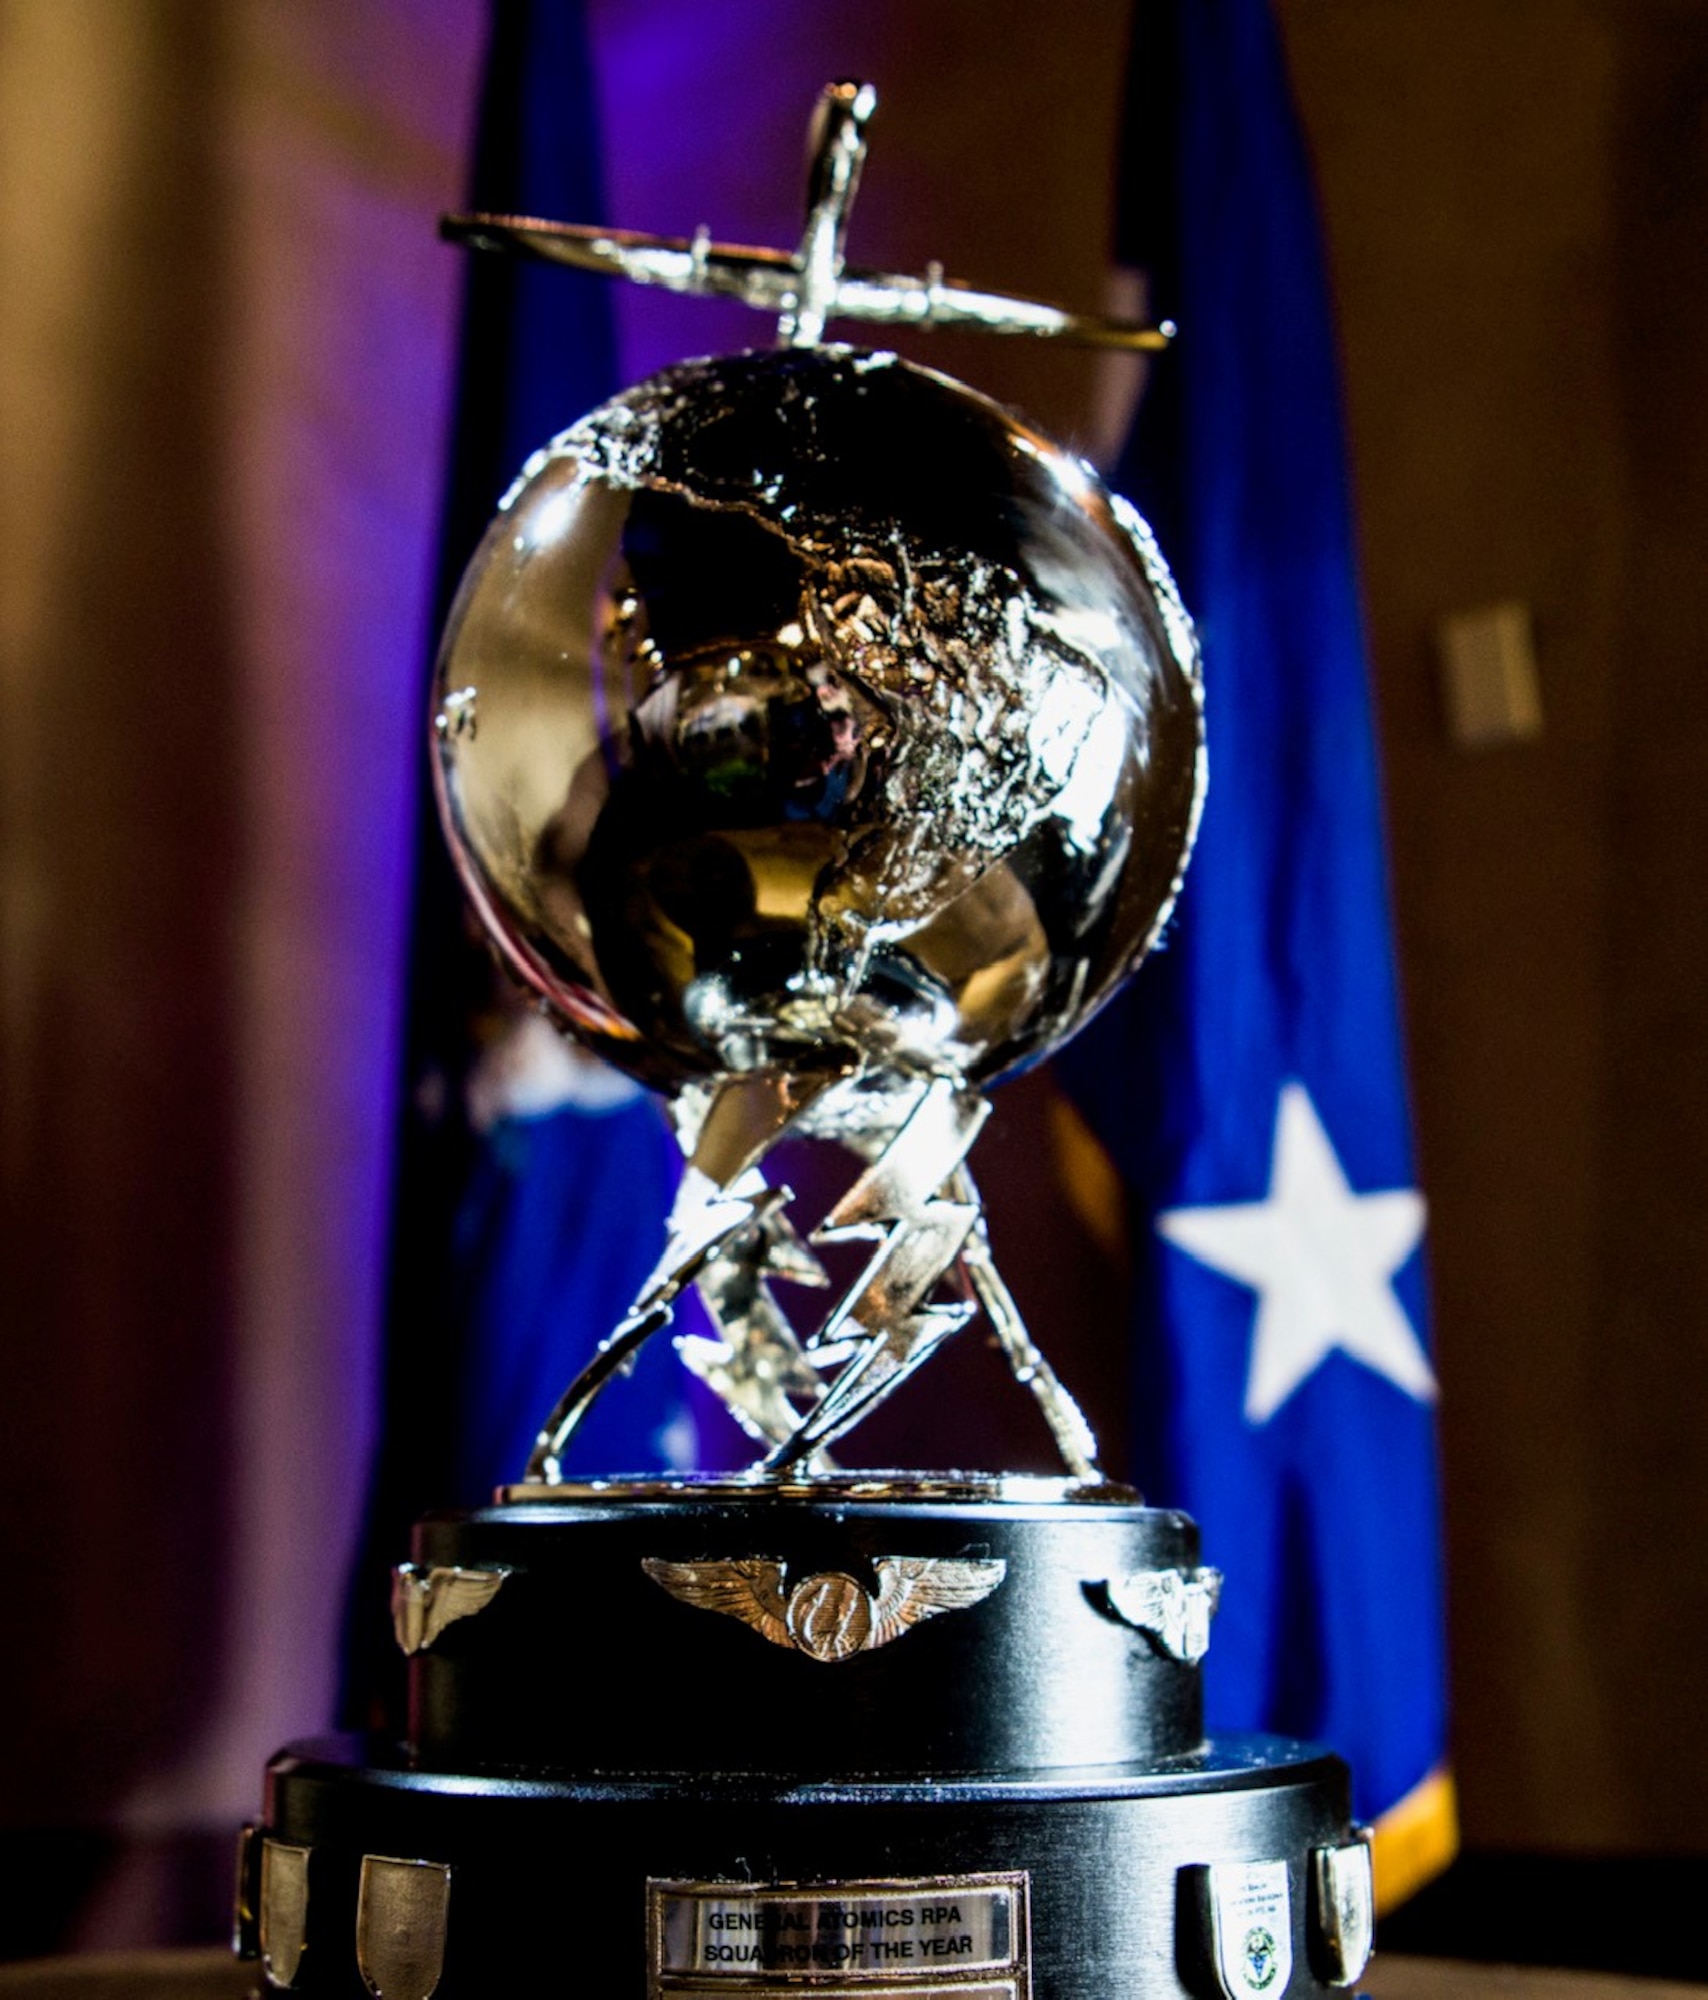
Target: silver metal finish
pixel 245 1902
pixel 1173 1607
pixel 706 1223
pixel 809 286
pixel 838 152
pixel 767 280
pixel 885 1327
pixel 765 1377
pixel 283 1926
pixel 402 1909
pixel 832 725
pixel 915 1203
pixel 911 1936
pixel 1014 1489
pixel 936 1986
pixel 818 743
pixel 425 1601
pixel 830 1616
pixel 1343 1910
pixel 1074 1437
pixel 756 1364
pixel 1248 1906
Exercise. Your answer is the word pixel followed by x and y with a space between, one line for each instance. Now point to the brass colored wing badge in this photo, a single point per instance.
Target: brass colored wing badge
pixel 830 1615
pixel 424 1601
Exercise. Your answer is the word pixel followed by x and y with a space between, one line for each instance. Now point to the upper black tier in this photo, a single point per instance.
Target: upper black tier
pixel 583 1665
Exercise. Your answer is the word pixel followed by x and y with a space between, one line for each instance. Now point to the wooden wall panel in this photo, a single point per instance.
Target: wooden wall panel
pixel 1515 201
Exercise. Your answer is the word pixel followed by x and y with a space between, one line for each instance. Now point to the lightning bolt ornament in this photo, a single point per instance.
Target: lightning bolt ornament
pixel 914 1202
pixel 886 1326
pixel 757 1367
pixel 704 1218
pixel 722 1195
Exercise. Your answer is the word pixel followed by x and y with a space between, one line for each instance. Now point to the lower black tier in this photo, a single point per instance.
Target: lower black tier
pixel 540 1886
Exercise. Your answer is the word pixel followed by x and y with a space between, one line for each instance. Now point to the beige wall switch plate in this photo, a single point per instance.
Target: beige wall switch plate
pixel 1488 676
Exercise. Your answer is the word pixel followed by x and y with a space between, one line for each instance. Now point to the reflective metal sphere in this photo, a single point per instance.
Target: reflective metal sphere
pixel 806 711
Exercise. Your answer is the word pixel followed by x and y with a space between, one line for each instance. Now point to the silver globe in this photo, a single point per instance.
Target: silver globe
pixel 805 712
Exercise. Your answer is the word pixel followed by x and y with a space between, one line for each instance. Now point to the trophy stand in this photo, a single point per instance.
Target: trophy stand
pixel 776 1770
pixel 818 743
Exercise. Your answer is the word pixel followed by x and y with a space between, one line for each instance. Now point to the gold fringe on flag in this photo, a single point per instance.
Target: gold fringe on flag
pixel 1415 1839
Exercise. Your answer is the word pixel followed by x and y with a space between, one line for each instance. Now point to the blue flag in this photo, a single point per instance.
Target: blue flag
pixel 531 1184
pixel 1249 1085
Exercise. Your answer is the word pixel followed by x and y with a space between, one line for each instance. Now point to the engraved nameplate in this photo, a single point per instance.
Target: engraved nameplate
pixel 714 1940
pixel 914 1989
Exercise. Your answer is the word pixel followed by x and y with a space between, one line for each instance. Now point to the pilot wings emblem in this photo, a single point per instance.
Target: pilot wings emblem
pixel 830 1615
pixel 1172 1607
pixel 424 1601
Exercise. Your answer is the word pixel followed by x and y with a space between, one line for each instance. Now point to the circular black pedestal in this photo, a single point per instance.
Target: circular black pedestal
pixel 550 1879
pixel 713 1744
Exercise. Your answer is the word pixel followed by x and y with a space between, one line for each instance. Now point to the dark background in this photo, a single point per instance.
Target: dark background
pixel 225 333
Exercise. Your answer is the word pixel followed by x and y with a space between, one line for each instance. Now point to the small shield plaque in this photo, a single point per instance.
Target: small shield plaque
pixel 284 1909
pixel 400 1926
pixel 1251 1927
pixel 1344 1889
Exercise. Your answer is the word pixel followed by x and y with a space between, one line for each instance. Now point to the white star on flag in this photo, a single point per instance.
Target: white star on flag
pixel 1321 1260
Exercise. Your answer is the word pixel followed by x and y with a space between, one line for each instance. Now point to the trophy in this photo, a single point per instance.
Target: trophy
pixel 817 743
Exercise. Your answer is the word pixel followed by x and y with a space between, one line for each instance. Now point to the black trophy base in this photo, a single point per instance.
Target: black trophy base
pixel 866 1739
pixel 567 1887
